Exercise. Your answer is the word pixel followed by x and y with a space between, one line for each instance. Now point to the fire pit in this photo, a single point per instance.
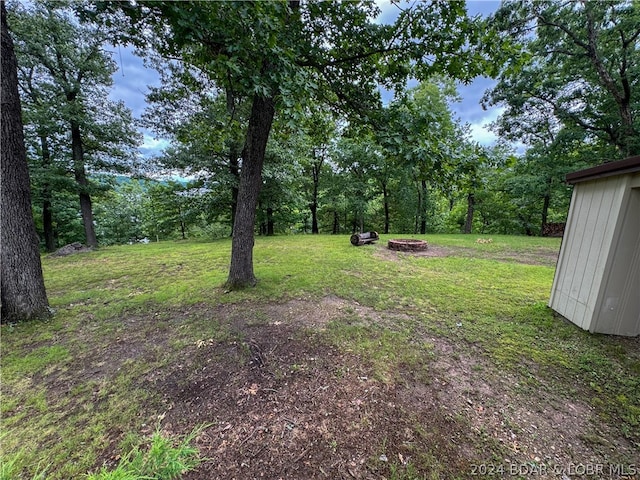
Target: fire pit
pixel 407 245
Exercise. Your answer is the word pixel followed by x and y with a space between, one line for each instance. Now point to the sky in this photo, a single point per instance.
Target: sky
pixel 132 80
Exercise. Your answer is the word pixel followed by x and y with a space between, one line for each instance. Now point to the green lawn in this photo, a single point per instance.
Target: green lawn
pixel 62 407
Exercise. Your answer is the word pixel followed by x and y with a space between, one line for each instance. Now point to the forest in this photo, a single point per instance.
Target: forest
pixel 337 159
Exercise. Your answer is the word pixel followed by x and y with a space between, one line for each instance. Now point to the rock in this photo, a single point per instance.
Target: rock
pixel 70 249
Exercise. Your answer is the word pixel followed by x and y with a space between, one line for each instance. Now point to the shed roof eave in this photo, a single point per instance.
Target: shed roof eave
pixel 620 167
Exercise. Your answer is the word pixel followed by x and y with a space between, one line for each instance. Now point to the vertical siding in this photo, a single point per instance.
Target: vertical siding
pixel 618 308
pixel 559 298
pixel 593 214
pixel 574 232
pixel 603 240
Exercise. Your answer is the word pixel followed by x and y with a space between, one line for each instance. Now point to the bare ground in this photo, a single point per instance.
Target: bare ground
pixel 281 402
pixel 540 256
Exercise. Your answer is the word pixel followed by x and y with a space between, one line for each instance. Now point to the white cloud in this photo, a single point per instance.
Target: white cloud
pixel 479 128
pixel 151 143
pixel 482 135
pixel 152 146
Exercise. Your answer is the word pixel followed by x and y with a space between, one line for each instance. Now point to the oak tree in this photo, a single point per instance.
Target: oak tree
pixel 578 61
pixel 66 65
pixel 278 54
pixel 22 285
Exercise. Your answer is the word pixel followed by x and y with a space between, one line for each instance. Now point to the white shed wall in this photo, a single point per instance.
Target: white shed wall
pixel 593 215
pixel 618 307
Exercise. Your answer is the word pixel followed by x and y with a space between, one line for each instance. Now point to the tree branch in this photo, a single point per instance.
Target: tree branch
pixel 352 58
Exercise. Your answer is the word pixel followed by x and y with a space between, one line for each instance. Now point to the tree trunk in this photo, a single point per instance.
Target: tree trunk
pixel 314 217
pixel 23 295
pixel 418 208
pixel 545 205
pixel 622 96
pixel 183 228
pixel 234 168
pixel 385 197
pixel 336 223
pixel 47 212
pixel 86 208
pixel 526 225
pixel 270 231
pixel 241 269
pixel 423 208
pixel 47 221
pixel 471 204
pixel 315 170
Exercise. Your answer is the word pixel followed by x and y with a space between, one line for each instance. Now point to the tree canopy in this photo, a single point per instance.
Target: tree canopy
pixel 580 65
pixel 65 72
pixel 278 55
pixel 276 119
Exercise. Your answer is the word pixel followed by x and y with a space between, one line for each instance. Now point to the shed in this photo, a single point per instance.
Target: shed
pixel 597 279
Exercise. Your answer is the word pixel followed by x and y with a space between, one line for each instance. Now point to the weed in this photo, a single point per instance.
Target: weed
pixel 163 459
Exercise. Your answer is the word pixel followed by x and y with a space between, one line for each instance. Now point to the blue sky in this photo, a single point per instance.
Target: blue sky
pixel 132 80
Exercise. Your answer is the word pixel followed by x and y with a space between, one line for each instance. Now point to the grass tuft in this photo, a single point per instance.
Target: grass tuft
pixel 164 458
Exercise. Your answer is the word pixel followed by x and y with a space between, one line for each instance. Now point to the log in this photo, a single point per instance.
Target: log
pixel 358 239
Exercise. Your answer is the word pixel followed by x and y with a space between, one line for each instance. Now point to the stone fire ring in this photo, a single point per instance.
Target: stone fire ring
pixel 407 245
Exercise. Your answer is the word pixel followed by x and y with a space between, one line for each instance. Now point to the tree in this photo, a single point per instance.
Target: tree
pixel 67 61
pixel 579 61
pixel 536 183
pixel 353 158
pixel 45 147
pixel 278 53
pixel 120 212
pixel 476 177
pixel 23 291
pixel 280 202
pixel 424 137
pixel 206 125
pixel 310 143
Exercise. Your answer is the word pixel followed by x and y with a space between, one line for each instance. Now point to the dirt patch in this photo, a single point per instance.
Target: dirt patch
pixel 432 251
pixel 281 402
pixel 532 425
pixel 540 256
pixel 284 404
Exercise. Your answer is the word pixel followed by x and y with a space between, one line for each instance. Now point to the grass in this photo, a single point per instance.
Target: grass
pixel 163 458
pixel 159 457
pixel 62 408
